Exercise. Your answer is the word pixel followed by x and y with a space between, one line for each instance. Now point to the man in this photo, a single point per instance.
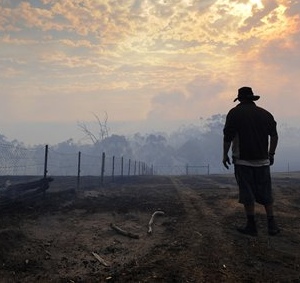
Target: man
pixel 252 133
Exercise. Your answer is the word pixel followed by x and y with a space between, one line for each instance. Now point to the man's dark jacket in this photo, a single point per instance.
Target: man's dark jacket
pixel 253 125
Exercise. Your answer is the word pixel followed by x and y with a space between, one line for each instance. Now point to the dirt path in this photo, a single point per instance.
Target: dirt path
pixel 208 243
pixel 221 254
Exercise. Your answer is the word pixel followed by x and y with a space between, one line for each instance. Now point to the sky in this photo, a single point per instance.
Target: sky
pixel 149 65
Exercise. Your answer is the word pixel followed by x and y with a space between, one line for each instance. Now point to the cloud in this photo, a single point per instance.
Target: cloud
pixel 197 99
pixel 283 55
pixel 160 59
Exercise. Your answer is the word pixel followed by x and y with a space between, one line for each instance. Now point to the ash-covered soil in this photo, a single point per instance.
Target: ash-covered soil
pixel 57 237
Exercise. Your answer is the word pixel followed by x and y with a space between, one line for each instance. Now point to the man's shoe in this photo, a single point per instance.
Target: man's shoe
pixel 248 230
pixel 273 228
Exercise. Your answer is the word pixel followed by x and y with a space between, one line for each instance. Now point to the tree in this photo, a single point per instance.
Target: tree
pixel 102 129
pixel 116 145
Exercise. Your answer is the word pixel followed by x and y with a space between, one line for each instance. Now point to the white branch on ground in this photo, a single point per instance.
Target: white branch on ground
pixel 158 212
pixel 100 259
pixel 123 232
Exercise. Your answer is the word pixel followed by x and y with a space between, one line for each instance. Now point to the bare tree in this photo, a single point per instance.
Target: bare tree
pixel 103 130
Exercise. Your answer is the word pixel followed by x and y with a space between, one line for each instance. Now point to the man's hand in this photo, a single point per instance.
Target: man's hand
pixel 271 158
pixel 226 161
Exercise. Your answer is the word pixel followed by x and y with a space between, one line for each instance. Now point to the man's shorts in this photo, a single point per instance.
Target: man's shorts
pixel 254 184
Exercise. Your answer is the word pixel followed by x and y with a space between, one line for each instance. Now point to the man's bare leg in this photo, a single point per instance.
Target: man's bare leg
pixel 273 228
pixel 250 228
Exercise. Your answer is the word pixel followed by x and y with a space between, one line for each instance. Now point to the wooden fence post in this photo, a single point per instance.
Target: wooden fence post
pixel 78 170
pixel 122 166
pixel 129 162
pixel 46 161
pixel 102 168
pixel 113 168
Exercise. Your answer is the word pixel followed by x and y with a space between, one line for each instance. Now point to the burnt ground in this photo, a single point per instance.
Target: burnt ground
pixel 53 237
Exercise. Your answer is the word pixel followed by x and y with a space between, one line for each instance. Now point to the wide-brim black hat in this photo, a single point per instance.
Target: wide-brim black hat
pixel 246 93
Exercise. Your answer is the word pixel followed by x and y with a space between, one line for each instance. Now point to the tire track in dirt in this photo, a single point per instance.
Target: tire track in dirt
pixel 207 239
pixel 200 214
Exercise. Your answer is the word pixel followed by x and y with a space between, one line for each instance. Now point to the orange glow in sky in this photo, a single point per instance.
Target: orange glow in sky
pixel 144 61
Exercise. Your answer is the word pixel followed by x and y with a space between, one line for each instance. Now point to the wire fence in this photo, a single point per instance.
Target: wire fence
pixel 20 164
pixel 182 170
pixel 26 172
pixel 16 160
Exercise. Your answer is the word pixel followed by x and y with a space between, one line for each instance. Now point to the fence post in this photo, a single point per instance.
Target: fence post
pixel 187 169
pixel 102 168
pixel 134 167
pixel 78 170
pixel 208 169
pixel 113 168
pixel 129 162
pixel 46 161
pixel 122 166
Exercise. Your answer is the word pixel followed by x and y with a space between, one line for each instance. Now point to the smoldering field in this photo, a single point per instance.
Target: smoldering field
pixel 54 238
